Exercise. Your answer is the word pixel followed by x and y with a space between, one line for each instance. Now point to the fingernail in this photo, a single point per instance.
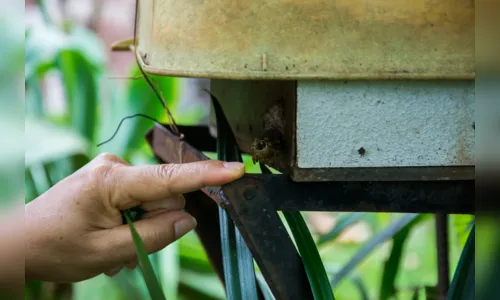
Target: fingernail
pixel 234 165
pixel 113 271
pixel 184 226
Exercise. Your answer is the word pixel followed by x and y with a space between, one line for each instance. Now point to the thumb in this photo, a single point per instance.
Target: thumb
pixel 156 233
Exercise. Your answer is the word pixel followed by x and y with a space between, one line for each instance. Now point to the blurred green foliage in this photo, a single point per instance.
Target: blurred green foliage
pixel 393 261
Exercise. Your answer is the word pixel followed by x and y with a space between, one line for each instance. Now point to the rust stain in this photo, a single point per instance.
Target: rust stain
pixel 331 38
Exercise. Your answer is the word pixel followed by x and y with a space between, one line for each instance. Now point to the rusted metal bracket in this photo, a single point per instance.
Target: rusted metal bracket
pixel 450 197
pixel 253 202
pixel 254 215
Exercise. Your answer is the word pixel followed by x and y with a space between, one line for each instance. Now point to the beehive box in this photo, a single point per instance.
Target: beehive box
pixel 354 90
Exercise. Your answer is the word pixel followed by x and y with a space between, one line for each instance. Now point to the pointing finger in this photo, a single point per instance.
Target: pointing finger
pixel 139 184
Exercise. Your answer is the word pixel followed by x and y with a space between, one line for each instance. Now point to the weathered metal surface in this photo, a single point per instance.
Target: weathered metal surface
pixel 304 39
pixel 257 112
pixel 382 174
pixel 201 207
pixel 205 211
pixel 392 130
pixel 256 218
pixel 269 242
pixel 443 256
pixel 452 197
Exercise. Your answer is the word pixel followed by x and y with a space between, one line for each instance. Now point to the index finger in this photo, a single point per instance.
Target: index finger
pixel 151 183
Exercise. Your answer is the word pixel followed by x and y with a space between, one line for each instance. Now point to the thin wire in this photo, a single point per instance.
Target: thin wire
pixel 157 92
pixel 121 122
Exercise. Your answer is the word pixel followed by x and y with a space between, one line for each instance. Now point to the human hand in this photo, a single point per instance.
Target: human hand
pixel 74 231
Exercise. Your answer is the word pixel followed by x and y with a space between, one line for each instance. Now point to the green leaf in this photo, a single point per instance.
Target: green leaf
pixel 103 288
pixel 46 142
pixel 46 42
pixel 79 78
pixel 462 225
pixel 373 243
pixel 345 221
pixel 193 255
pixel 315 270
pixel 169 270
pixel 239 272
pixel 29 187
pixel 431 293
pixel 416 294
pixel 41 178
pixel 204 285
pixel 33 290
pixel 88 44
pixel 355 279
pixel 313 264
pixel 462 285
pixel 43 8
pixel 391 266
pixel 229 256
pixel 358 282
pixel 34 97
pixel 131 283
pixel 154 288
pixel 264 287
pixel 43 44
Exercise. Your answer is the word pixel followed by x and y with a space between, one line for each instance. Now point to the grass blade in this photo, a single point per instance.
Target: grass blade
pixel 41 178
pixel 358 282
pixel 239 272
pixel 462 225
pixel 320 284
pixel 35 105
pixel 416 294
pixel 374 242
pixel 79 77
pixel 264 287
pixel 199 285
pixel 229 256
pixel 245 268
pixel 354 278
pixel 344 222
pixel 391 266
pixel 30 192
pixel 154 288
pixel 462 285
pixel 169 270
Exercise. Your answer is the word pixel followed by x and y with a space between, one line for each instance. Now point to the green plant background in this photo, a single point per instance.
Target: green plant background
pixel 401 265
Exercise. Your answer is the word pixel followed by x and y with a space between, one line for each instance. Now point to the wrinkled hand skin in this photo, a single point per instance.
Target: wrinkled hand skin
pixel 74 231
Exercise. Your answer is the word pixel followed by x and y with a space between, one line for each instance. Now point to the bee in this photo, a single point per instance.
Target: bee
pixel 264 150
pixel 267 148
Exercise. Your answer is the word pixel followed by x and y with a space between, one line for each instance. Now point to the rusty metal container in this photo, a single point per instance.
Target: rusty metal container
pixel 360 90
pixel 308 39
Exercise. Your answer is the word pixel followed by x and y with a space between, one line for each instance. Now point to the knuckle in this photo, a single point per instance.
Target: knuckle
pixel 168 171
pixel 101 171
pixel 105 156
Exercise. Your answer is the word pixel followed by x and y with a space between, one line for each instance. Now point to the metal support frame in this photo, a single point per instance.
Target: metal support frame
pixel 443 259
pixel 254 215
pixel 253 202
